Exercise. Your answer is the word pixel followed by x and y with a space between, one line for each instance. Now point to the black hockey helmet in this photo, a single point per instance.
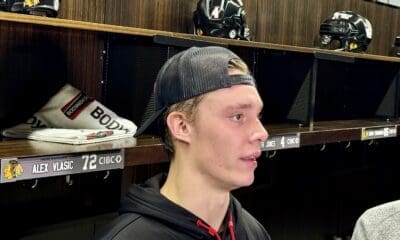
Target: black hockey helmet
pixel 47 8
pixel 351 30
pixel 5 5
pixel 221 18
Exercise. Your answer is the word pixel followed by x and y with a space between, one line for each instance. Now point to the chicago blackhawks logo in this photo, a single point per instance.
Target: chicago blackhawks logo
pixel 13 169
pixel 31 3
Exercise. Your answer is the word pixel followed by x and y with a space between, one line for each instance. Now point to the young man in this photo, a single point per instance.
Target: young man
pixel 381 222
pixel 209 107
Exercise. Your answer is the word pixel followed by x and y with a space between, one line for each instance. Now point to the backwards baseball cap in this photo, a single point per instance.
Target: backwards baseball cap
pixel 191 73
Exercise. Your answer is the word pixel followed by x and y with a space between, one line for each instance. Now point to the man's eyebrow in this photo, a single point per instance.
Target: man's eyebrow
pixel 238 106
pixel 241 106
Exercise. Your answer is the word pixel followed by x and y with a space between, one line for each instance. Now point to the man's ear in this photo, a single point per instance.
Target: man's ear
pixel 178 125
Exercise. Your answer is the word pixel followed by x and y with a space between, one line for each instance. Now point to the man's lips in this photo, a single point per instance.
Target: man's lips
pixel 252 156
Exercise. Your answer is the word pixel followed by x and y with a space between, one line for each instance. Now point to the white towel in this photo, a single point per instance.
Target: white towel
pixel 70 116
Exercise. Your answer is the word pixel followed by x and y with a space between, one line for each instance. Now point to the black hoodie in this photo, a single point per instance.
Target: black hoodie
pixel 146 214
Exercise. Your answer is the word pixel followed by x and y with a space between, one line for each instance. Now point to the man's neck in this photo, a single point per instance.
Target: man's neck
pixel 191 191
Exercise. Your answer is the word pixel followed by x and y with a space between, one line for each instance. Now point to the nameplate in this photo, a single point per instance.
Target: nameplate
pixel 281 142
pixel 16 169
pixel 378 132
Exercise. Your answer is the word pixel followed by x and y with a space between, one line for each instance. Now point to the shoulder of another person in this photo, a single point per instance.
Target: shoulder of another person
pixel 379 222
pixel 383 211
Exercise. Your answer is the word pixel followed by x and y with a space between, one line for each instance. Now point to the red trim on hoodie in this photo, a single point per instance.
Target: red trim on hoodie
pixel 214 232
pixel 231 226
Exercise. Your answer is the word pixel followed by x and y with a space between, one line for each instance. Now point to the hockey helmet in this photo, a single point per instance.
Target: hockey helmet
pixel 47 8
pixel 5 5
pixel 352 31
pixel 396 47
pixel 219 18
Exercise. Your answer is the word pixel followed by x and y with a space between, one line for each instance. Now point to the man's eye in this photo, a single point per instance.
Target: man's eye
pixel 237 117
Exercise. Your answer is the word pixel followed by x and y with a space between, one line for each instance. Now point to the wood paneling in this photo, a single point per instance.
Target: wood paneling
pixel 84 61
pixel 297 22
pixel 274 21
pixel 36 62
pixel 167 15
pixel 88 10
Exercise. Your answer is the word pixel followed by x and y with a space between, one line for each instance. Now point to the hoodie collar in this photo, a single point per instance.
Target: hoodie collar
pixel 145 199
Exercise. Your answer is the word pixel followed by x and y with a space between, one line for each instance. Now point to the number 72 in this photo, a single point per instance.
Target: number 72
pixel 90 162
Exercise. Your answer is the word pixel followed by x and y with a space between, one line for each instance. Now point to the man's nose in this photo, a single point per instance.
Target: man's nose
pixel 260 134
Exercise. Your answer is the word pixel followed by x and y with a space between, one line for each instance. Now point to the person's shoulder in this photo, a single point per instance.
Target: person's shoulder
pixel 130 225
pixel 382 212
pixel 379 222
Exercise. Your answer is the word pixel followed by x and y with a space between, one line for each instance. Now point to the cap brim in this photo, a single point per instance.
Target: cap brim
pixel 152 119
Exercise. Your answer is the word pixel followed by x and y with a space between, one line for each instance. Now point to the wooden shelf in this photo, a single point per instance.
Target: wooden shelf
pixel 149 150
pixel 45 159
pixel 335 131
pixel 137 152
pixel 10 148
